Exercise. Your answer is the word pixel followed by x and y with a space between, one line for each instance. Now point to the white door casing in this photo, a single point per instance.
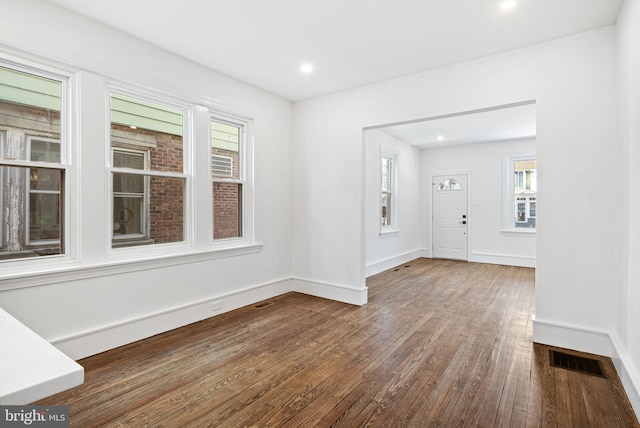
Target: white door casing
pixel 450 216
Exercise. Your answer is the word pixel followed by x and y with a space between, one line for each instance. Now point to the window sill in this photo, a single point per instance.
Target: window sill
pixel 74 271
pixel 528 231
pixel 388 232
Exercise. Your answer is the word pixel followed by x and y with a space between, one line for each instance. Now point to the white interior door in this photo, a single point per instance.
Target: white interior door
pixel 450 218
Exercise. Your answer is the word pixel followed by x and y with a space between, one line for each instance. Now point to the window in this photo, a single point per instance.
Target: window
pixel 147 172
pixel 524 192
pixel 450 184
pixel 388 191
pixel 228 178
pixel 33 163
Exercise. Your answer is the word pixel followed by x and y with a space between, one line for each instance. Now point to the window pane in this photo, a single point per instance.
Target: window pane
pixel 128 160
pixel 525 187
pixel 146 126
pixel 226 173
pixel 45 151
pixel 227 210
pixel 128 183
pixel 44 216
pixel 386 212
pixel 32 219
pixel 30 107
pixel 128 216
pixel 154 215
pixel 44 179
pixel 225 150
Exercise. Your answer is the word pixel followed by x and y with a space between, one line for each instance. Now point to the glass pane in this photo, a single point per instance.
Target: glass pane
pixel 128 183
pixel 31 218
pixel 44 216
pixel 225 150
pixel 386 209
pixel 154 216
pixel 227 210
pixel 128 160
pixel 137 124
pixel 45 151
pixel 450 184
pixel 386 174
pixel 30 105
pixel 44 179
pixel 128 216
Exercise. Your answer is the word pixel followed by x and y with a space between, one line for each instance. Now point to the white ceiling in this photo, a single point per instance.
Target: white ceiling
pixel 507 123
pixel 351 43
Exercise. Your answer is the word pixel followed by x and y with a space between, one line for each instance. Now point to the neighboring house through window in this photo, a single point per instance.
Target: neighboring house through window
pixel 228 178
pixel 33 163
pixel 147 171
pixel 525 189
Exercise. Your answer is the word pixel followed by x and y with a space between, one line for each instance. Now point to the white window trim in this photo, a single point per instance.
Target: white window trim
pixel 144 252
pixel 392 228
pixel 245 177
pixel 508 195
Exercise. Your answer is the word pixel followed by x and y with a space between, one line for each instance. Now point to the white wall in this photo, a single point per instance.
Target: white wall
pixel 628 304
pixel 385 251
pixel 573 81
pixel 485 162
pixel 98 303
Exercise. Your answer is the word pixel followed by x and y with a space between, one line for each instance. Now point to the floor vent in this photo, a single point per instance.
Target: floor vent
pixel 407 266
pixel 575 363
pixel 396 270
pixel 263 305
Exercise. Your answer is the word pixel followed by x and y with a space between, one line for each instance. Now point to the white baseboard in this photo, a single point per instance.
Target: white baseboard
pixel 593 342
pixel 628 373
pixel 503 259
pixel 382 265
pixel 340 293
pixel 571 337
pixel 94 341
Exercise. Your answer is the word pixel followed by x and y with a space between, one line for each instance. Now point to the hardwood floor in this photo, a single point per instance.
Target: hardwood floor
pixel 440 344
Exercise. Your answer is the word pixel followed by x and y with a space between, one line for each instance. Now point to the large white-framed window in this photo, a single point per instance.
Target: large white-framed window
pixel 388 190
pixel 149 168
pixel 231 177
pixel 520 193
pixel 34 162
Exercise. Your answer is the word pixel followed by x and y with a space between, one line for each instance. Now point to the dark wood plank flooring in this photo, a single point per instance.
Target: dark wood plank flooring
pixel 440 344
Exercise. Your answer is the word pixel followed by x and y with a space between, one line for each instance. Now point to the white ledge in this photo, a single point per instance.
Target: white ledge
pixel 78 271
pixel 30 367
pixel 525 231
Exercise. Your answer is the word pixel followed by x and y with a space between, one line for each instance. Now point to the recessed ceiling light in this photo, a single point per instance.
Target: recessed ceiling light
pixel 440 137
pixel 508 4
pixel 306 68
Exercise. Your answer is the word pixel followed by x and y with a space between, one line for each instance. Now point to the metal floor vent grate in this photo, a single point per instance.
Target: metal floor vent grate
pixel 575 363
pixel 263 305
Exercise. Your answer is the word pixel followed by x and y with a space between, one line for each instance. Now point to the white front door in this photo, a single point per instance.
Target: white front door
pixel 450 218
